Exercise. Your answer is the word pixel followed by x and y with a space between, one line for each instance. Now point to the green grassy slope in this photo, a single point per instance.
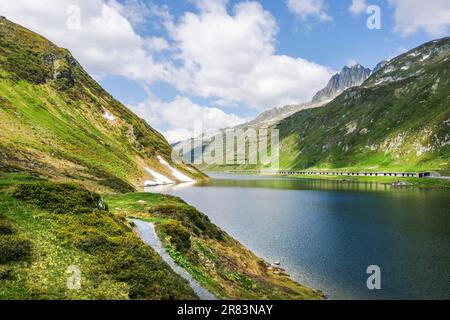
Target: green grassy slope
pixel 52 120
pixel 46 228
pixel 399 119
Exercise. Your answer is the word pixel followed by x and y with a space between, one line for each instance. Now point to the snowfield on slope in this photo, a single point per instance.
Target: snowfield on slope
pixel 159 179
pixel 177 174
pixel 108 116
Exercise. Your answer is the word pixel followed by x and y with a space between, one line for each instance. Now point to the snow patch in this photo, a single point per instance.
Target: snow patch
pixel 364 131
pixel 159 179
pixel 425 57
pixel 379 82
pixel 108 116
pixel 177 174
pixel 389 70
pixel 384 80
pixel 414 54
pixel 351 127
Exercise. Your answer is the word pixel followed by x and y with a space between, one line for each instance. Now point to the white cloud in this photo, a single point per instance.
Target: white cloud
pixel 104 44
pixel 135 11
pixel 306 8
pixel 357 7
pixel 351 62
pixel 184 118
pixel 156 44
pixel 431 16
pixel 140 12
pixel 231 56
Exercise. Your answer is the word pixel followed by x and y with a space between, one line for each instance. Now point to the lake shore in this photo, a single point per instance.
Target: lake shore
pixel 221 264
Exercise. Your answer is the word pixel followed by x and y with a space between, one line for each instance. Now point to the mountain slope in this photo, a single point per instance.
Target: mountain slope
pixel 398 119
pixel 58 122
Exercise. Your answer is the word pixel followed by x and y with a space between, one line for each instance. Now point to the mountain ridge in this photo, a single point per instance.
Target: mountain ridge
pixel 348 77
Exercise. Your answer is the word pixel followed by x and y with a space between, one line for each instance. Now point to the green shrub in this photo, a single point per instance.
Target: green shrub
pixel 122 255
pixel 189 216
pixel 6 273
pixel 5 227
pixel 166 210
pixel 14 248
pixel 180 237
pixel 94 242
pixel 59 197
pixel 200 222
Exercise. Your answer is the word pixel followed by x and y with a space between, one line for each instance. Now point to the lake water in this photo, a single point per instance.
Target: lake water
pixel 326 233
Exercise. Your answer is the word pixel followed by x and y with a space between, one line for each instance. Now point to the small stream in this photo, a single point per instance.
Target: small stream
pixel 148 234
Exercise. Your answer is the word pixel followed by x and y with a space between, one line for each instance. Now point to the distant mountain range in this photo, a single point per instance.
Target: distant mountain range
pixel 394 117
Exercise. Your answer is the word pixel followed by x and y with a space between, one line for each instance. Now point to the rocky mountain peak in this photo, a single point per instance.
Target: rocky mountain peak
pixel 350 76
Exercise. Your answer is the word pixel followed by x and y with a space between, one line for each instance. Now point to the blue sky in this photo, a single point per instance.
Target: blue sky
pixel 218 62
pixel 333 44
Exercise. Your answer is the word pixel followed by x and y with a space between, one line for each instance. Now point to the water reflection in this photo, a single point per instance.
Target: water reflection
pixel 292 183
pixel 169 187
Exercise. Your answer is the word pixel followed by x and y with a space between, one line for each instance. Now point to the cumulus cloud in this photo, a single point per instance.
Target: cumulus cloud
pixel 357 7
pixel 139 12
pixel 352 62
pixel 231 56
pixel 104 41
pixel 136 11
pixel 184 118
pixel 309 8
pixel 156 44
pixel 431 16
